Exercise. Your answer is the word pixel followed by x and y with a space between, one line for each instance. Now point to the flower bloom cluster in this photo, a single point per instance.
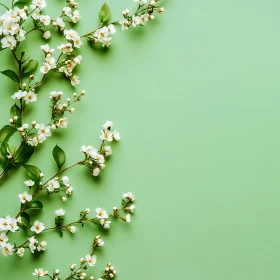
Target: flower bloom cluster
pixel 39 132
pixel 102 35
pixel 142 17
pixel 11 31
pixel 95 158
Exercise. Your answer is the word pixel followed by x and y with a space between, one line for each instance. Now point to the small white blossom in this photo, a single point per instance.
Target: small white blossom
pixel 59 212
pixel 37 227
pixel 53 184
pixel 72 229
pixel 40 272
pixel 101 213
pixel 29 183
pixel 20 252
pixel 91 260
pixel 47 35
pixel 7 249
pixel 25 197
pixel 42 246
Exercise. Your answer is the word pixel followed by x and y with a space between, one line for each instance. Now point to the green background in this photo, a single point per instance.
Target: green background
pixel 195 95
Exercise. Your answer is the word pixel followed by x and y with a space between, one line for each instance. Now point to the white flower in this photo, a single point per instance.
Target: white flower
pixel 129 196
pixel 144 19
pixel 47 35
pixel 127 218
pixel 3 224
pixel 7 250
pixel 46 49
pixel 53 184
pixel 141 2
pixel 31 96
pixel 9 42
pixel 43 129
pixel 37 227
pixel 72 229
pixel 33 141
pixel 20 252
pixel 101 213
pixel 45 68
pixel 41 4
pixel 60 23
pixel 91 260
pixel 69 189
pixel 111 29
pixel 95 171
pixel 46 20
pixel 131 208
pixel 135 20
pixel 100 242
pixel 19 94
pixel 59 212
pixel 107 125
pixel 105 224
pixel 29 183
pixel 39 272
pixel 70 34
pixel 3 239
pixel 76 16
pixel 62 123
pixel 32 242
pixel 42 246
pixel 65 180
pixel 116 135
pixel 25 197
pixel 66 48
pixel 124 23
pixel 75 81
pixel 107 150
pixel 106 135
pixel 67 11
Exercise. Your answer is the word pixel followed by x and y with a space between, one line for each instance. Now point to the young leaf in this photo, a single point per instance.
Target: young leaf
pixel 33 172
pixel 30 66
pixel 11 74
pixel 104 14
pixel 25 219
pixel 60 232
pixel 15 111
pixel 59 156
pixel 34 205
pixel 24 154
pixel 6 132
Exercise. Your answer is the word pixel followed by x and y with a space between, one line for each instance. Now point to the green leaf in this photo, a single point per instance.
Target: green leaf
pixel 6 132
pixel 59 156
pixel 11 74
pixel 24 154
pixel 4 6
pixel 15 111
pixel 34 205
pixel 33 172
pixel 22 3
pixel 104 14
pixel 30 67
pixel 25 219
pixel 60 232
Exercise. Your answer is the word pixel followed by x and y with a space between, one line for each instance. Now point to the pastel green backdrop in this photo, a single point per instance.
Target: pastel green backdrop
pixel 195 95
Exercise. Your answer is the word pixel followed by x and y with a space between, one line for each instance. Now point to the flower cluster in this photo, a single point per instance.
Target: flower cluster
pixel 102 35
pixel 142 15
pixel 95 158
pixel 11 31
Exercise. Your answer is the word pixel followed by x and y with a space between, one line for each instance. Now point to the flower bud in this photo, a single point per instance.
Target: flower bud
pixel 15 118
pixel 161 10
pixel 57 271
pixel 42 175
pixel 83 92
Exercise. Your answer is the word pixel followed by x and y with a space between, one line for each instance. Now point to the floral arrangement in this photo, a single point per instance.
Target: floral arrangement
pixel 12 32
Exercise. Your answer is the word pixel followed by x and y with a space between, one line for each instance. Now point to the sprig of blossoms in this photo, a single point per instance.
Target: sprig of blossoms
pixel 101 218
